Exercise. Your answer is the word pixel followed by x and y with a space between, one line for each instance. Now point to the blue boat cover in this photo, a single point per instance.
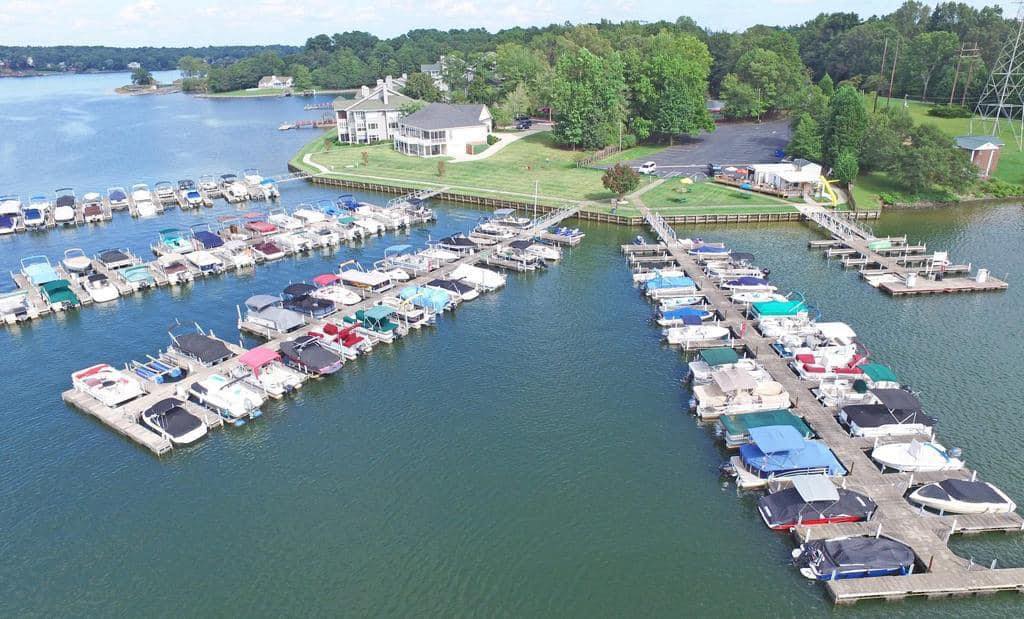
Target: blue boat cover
pixel 691 320
pixel 676 281
pixel 208 239
pixel 33 213
pixel 430 298
pixel 748 281
pixel 705 249
pixel 773 439
pixel 398 249
pixel 681 312
pixel 6 221
pixel 40 273
pixel 787 452
pixel 117 195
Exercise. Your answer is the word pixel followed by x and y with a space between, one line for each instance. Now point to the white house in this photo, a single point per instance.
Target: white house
pixel 443 129
pixel 275 81
pixel 372 116
pixel 789 178
pixel 134 65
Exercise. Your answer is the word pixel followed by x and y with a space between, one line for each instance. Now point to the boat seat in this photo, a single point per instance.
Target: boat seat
pixel 806 358
pixel 331 329
pixel 813 369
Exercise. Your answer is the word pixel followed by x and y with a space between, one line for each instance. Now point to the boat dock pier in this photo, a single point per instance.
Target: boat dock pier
pixel 891 263
pixel 941 572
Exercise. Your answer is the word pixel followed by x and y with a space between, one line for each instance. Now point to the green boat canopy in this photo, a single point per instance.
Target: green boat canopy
pixel 879 373
pixel 738 425
pixel 719 356
pixel 378 312
pixel 880 244
pixel 779 308
pixel 59 291
pixel 346 220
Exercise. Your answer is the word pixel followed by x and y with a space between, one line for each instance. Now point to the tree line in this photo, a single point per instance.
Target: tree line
pixel 81 58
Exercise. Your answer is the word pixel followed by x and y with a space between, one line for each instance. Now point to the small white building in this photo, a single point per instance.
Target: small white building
pixel 372 116
pixel 441 129
pixel 791 179
pixel 275 81
pixel 134 65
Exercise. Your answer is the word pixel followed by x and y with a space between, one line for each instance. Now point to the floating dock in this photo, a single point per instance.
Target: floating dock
pixel 943 573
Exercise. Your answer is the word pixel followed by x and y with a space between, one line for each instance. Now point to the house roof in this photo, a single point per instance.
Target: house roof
pixel 430 68
pixel 375 101
pixel 978 142
pixel 445 116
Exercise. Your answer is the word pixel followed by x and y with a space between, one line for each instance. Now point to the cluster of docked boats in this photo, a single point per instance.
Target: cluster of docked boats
pixel 43 211
pixel 775 448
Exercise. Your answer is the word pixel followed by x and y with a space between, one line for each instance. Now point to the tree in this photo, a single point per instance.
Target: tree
pixel 411 108
pixel 846 167
pixel 588 99
pixel 142 77
pixel 932 160
pixel 826 85
pixel 192 67
pixel 846 124
pixel 516 64
pixel 422 87
pixel 884 138
pixel 811 101
pixel 928 52
pixel 741 99
pixel 806 140
pixel 516 103
pixel 776 80
pixel 620 179
pixel 302 77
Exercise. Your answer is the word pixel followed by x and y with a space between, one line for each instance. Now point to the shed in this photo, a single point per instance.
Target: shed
pixel 983 151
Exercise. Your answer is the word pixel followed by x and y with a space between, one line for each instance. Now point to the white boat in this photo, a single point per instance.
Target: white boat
pixel 759 296
pixel 205 261
pixel 459 291
pixel 734 391
pixel 263 368
pixel 236 253
pixel 695 334
pixel 369 226
pixel 671 303
pixel 175 268
pixel 76 262
pixel 293 242
pixel 33 217
pixel 64 207
pixel 368 282
pixel 164 192
pixel 709 360
pixel 231 398
pixel 323 235
pixel 917 456
pixel 284 221
pixel 170 419
pixel 10 206
pixel 109 386
pixel 117 198
pixel 438 255
pixel 143 199
pixel 484 279
pixel 646 276
pixel 236 192
pixel 748 284
pixel 267 251
pixel 308 215
pixel 407 314
pixel 100 288
pixel 16 307
pixel 955 496
pixel 9 224
pixel 208 185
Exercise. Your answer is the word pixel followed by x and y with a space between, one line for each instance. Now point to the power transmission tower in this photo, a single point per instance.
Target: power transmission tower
pixel 1002 101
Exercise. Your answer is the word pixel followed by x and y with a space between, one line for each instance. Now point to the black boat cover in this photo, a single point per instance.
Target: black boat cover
pixel 299 290
pixel 959 490
pixel 898 399
pixel 520 244
pixel 206 349
pixel 737 256
pixel 458 241
pixel 98 277
pixel 64 201
pixel 877 415
pixel 170 415
pixel 450 284
pixel 309 352
pixel 309 305
pixel 858 553
pixel 110 256
pixel 788 507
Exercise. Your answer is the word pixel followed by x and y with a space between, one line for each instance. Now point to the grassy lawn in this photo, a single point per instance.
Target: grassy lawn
pixel 709 198
pixel 642 151
pixel 248 92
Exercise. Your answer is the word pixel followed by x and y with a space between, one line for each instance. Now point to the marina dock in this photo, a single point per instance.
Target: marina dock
pixel 891 263
pixel 942 572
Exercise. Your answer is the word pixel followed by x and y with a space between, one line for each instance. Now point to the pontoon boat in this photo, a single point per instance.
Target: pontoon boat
pixel 780 452
pixel 265 310
pixel 813 501
pixel 107 385
pixel 263 368
pixel 329 287
pixel 231 398
pixel 309 355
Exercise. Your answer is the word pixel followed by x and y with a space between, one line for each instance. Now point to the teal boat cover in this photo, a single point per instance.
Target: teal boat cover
pixel 739 425
pixel 779 308
pixel 879 373
pixel 719 356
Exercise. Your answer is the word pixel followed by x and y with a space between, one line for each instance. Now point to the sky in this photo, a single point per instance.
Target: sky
pixel 174 23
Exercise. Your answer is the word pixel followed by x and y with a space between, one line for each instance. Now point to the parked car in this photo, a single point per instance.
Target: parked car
pixel 648 168
pixel 523 124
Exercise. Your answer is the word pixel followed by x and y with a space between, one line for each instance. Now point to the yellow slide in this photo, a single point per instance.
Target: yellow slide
pixel 827 184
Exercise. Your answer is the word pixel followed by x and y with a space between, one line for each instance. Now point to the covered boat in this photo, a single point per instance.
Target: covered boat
pixel 780 452
pixel 308 354
pixel 677 316
pixel 748 284
pixel 232 398
pixel 100 288
pixel 432 299
pixel 266 311
pixel 458 243
pixel 813 500
pixel 957 496
pixel 367 281
pixel 170 419
pixel 735 391
pixel 669 286
pixel 917 456
pixel 854 557
pixel 76 262
pixel 299 298
pixel 59 295
pixel 115 258
pixel 376 322
pixel 329 287
pixel 457 290
pixel 711 359
pixel 138 277
pixel 266 371
pixel 117 198
pixel 873 420
pixel 38 270
pixel 172 241
pixel 268 250
pixel 484 279
pixel 206 350
pixel 735 429
pixel 695 333
pixel 109 386
pixel 174 267
pixel 789 307
pixel 206 262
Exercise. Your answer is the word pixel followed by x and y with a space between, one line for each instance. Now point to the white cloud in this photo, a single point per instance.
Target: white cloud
pixel 139 11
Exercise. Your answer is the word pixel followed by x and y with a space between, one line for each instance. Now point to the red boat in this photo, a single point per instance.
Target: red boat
pixel 813 500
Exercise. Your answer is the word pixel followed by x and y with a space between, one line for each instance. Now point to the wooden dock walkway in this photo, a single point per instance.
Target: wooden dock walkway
pixel 943 572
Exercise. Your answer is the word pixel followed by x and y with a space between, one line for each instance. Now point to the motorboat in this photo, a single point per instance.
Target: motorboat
pixel 799 336
pixel 670 303
pixel 16 307
pixel 107 385
pixel 33 218
pixel 11 205
pixel 489 230
pixel 459 291
pixel 40 202
pixel 646 276
pixel 117 198
pixel 139 277
pixel 234 399
pixel 100 289
pixel 813 500
pixel 677 317
pixel 294 242
pixel 172 241
pixel 226 180
pixel 284 221
pixel 957 496
pixel 329 287
pixel 194 199
pixel 76 262
pixel 265 311
pixel 438 255
pixel 414 312
pixel 776 310
pixel 781 453
pixel 206 262
pixel 484 279
pixel 369 225
pixel 710 360
pixel 269 189
pixel 170 419
pixel 917 456
pixel 197 346
pixel 264 369
pixel 208 185
pixel 205 238
pixel 388 219
pixel 709 251
pixel 696 333
pixel 572 235
pixel 38 270
pixel 669 286
pixel 367 282
pixel 116 258
pixel 92 208
pixel 298 297
pixel 735 429
pixel 748 284
pixel 459 243
pixel 323 235
pixel 402 257
pixel 524 260
pixel 308 215
pixel 175 269
pixel 759 296
pixel 854 557
pixel 237 253
pixel 376 322
pixel 64 205
pixel 310 355
pixel 59 296
pixel 897 413
pixel 345 341
pixel 164 192
pixel 267 251
pixel 9 223
pixel 548 253
pixel 735 391
pixel 840 392
pixel 236 192
pixel 143 199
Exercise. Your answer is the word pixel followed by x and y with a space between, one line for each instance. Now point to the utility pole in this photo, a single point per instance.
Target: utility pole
pixel 892 76
pixel 965 54
pixel 881 74
pixel 967 84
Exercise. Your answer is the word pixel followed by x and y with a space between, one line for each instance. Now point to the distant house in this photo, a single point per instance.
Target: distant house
pixel 442 129
pixel 134 65
pixel 983 150
pixel 275 81
pixel 372 116
pixel 436 71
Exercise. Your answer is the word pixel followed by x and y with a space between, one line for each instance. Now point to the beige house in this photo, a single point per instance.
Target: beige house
pixel 441 129
pixel 373 115
pixel 275 81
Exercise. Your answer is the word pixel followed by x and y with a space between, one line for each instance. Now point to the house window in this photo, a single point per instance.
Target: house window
pixel 393 125
pixel 371 126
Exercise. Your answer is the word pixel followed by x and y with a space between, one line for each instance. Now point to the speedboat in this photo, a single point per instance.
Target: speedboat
pixel 139 277
pixel 439 256
pixel 854 557
pixel 174 267
pixel 205 261
pixel 572 235
pixel 234 399
pixel 956 496
pixel 109 386
pixel 64 207
pixel 267 251
pixel 696 333
pixel 92 208
pixel 76 262
pixel 329 287
pixel 265 311
pixel 100 289
pixel 208 185
pixel 677 317
pixel 781 452
pixel 172 241
pixel 759 296
pixel 269 188
pixel 164 192
pixel 263 368
pixel 813 501
pixel 459 291
pixel 309 355
pixel 38 270
pixel 116 258
pixel 402 257
pixel 524 260
pixel 748 284
pixel 507 218
pixel 59 296
pixel 735 391
pixel 143 199
pixel 227 179
pixel 193 199
pixel 299 298
pixel 170 419
pixel 11 205
pixel 484 279
pixel 917 457
pixel 117 198
pixel 236 192
pixel 33 218
pixel 345 341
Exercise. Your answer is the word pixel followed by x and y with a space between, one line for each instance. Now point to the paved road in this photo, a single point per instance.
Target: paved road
pixel 729 144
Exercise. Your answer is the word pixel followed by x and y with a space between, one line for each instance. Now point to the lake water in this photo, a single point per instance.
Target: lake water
pixel 529 456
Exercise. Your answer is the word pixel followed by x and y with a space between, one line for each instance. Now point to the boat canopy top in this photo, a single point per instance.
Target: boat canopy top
pixel 816 488
pixel 258 357
pixel 839 331
pixel 310 352
pixel 877 415
pixel 719 356
pixel 208 239
pixel 682 312
pixel 731 380
pixel 59 290
pixel 741 424
pixel 776 439
pixel 326 279
pixel 897 399
pixel 299 289
pixel 260 302
pixel 378 313
pixel 503 212
pixel 108 256
pixel 748 281
pixel 39 270
pixel 962 490
pixel 520 244
pixel 879 373
pixel 803 455
pixel 206 349
pixel 690 320
pixel 431 298
pixel 458 240
pixel 397 249
pixel 669 281
pixel 163 406
pixel 779 308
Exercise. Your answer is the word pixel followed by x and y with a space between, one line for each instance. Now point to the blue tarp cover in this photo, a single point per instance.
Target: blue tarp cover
pixel 681 312
pixel 748 281
pixel 676 281
pixel 773 439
